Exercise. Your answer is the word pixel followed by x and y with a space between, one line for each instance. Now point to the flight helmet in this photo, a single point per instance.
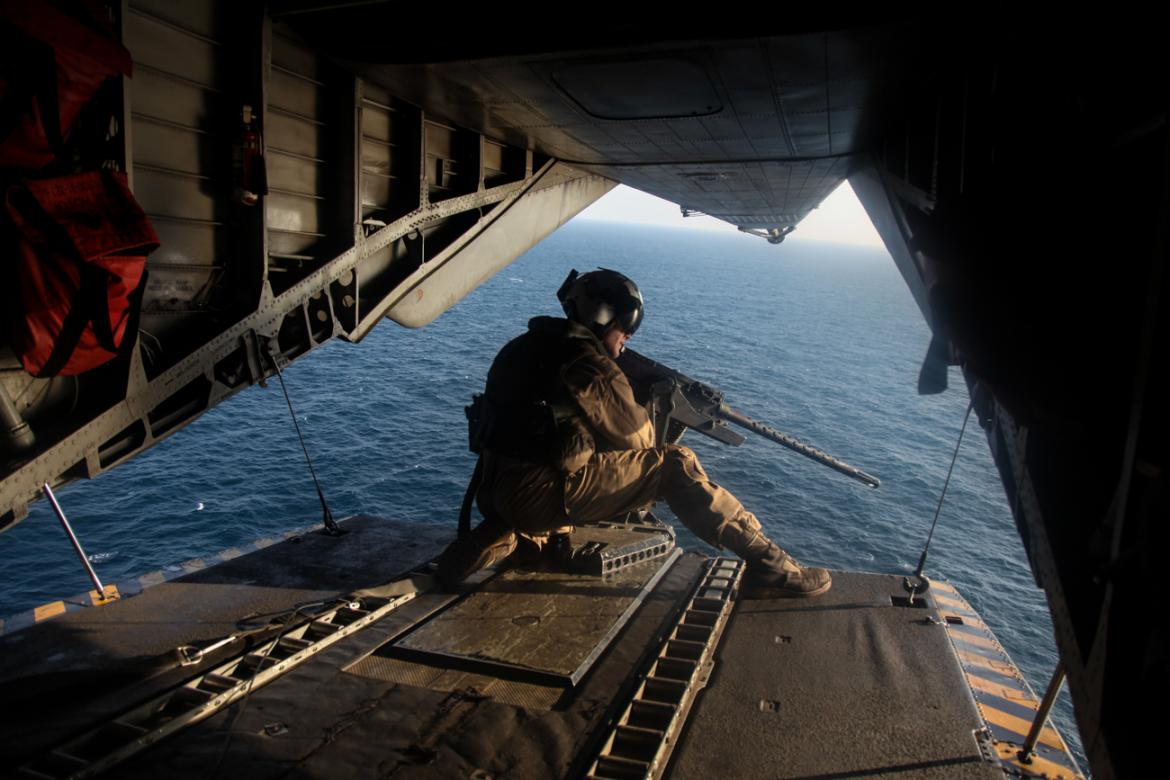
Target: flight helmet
pixel 602 299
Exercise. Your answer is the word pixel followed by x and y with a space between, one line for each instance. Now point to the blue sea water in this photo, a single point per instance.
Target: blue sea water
pixel 822 341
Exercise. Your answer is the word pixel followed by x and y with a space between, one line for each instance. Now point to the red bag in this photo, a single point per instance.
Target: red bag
pixel 51 65
pixel 81 246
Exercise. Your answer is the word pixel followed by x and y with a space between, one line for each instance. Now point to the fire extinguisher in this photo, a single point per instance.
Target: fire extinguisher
pixel 248 158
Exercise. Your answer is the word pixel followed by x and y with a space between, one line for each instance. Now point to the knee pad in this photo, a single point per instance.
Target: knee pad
pixel 681 462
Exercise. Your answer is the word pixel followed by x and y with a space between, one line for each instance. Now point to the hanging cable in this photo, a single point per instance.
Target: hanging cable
pixel 922 584
pixel 331 526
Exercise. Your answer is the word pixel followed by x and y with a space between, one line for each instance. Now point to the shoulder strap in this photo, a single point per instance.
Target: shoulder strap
pixel 66 342
pixel 91 305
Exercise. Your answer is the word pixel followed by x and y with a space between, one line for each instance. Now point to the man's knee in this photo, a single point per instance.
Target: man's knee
pixel 681 465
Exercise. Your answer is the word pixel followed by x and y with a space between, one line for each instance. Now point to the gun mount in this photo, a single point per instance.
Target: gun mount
pixel 677 402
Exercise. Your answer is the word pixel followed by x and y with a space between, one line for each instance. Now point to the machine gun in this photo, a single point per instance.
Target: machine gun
pixel 677 402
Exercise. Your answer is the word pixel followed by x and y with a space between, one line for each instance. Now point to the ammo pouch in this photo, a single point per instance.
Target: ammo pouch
pixel 522 431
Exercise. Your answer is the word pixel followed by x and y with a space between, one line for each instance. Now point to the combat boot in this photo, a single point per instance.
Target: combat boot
pixel 551 550
pixel 491 542
pixel 776 574
pixel 771 572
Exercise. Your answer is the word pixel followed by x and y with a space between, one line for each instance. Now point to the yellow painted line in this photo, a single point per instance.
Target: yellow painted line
pixel 944 586
pixel 952 602
pixel 999 667
pixel 231 552
pixel 951 596
pixel 1018 693
pixel 997 689
pixel 111 594
pixel 973 621
pixel 50 610
pixel 969 644
pixel 153 578
pixel 1008 754
pixel 976 639
pixel 193 565
pixel 969 619
pixel 993 654
pixel 1048 735
pixel 961 607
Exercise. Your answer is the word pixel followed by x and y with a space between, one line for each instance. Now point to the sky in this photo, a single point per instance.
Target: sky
pixel 840 217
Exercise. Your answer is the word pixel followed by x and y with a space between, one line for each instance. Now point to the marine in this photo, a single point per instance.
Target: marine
pixel 565 442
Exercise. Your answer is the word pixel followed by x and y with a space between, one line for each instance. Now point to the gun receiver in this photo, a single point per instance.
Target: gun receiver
pixel 677 401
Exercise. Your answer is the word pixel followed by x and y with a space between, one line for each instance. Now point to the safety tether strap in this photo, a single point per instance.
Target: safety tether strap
pixel 468 497
pixel 331 526
pixel 942 496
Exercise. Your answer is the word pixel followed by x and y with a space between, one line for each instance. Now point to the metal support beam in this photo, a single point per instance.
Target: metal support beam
pixel 1042 714
pixel 198 370
pixel 97 583
pixel 508 232
pixel 299 267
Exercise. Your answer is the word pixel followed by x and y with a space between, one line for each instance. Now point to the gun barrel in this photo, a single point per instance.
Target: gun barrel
pixel 641 368
pixel 727 413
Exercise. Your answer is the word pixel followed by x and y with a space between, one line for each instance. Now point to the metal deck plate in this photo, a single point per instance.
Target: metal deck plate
pixel 344 724
pixel 102 661
pixel 840 686
pixel 530 696
pixel 535 626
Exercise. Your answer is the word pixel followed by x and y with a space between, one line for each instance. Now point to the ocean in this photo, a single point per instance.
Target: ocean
pixel 822 341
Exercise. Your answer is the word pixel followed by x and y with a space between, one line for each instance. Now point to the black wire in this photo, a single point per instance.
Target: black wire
pixel 231 727
pixel 287 628
pixel 331 525
pixel 942 496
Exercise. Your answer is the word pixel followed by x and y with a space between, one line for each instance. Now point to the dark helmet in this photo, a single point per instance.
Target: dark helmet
pixel 601 299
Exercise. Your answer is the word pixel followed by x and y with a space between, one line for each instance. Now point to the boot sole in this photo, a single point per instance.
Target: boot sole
pixel 765 592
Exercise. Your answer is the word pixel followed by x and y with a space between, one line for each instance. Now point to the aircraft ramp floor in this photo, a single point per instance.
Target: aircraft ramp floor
pixel 845 685
pixel 57 675
pixel 850 684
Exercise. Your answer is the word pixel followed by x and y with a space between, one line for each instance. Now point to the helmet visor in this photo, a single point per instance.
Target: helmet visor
pixel 630 320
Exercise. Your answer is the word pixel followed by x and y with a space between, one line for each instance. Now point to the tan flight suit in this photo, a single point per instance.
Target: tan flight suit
pixel 604 463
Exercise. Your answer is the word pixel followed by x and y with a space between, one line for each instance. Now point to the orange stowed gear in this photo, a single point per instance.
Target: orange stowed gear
pixel 52 64
pixel 77 274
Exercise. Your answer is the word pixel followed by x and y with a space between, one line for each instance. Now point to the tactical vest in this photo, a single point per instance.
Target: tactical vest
pixel 527 413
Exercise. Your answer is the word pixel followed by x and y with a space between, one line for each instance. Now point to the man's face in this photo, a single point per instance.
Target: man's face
pixel 615 341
